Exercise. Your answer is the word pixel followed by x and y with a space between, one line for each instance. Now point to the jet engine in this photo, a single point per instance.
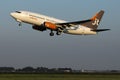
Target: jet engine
pixel 50 25
pixel 39 28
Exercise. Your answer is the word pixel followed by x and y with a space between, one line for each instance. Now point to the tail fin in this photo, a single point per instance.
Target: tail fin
pixel 95 20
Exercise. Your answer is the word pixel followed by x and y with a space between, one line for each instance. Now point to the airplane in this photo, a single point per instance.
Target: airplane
pixel 42 23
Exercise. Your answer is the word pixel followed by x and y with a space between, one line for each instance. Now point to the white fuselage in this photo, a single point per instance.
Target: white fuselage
pixel 38 19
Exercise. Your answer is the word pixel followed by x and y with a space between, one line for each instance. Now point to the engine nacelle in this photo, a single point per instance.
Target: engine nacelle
pixel 50 25
pixel 39 28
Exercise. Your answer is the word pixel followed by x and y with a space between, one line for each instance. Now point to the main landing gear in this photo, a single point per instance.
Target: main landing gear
pixel 58 33
pixel 51 33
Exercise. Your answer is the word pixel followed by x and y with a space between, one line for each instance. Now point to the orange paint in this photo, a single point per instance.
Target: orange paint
pixel 50 25
pixel 94 17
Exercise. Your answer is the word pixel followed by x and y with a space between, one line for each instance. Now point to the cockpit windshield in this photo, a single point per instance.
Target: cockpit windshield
pixel 18 12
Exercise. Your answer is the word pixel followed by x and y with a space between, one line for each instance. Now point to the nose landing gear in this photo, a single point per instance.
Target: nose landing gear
pixel 20 24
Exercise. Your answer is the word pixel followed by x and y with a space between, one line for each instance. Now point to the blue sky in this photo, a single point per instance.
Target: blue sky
pixel 23 46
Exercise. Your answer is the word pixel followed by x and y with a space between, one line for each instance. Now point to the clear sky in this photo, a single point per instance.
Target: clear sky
pixel 23 46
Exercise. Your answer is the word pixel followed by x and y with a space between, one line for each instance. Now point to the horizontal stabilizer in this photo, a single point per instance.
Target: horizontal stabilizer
pixel 101 30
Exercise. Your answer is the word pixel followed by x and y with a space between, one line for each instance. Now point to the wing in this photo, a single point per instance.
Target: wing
pixel 69 24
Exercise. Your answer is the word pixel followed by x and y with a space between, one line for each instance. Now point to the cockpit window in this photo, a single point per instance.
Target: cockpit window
pixel 18 11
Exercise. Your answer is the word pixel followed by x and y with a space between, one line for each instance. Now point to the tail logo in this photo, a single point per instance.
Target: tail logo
pixel 96 22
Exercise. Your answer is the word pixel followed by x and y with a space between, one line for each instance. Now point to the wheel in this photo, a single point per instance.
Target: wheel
pixel 51 34
pixel 58 33
pixel 20 24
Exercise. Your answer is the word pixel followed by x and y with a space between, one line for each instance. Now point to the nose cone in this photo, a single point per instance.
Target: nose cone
pixel 12 14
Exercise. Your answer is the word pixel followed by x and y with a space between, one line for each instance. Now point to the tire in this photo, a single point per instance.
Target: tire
pixel 51 34
pixel 58 33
